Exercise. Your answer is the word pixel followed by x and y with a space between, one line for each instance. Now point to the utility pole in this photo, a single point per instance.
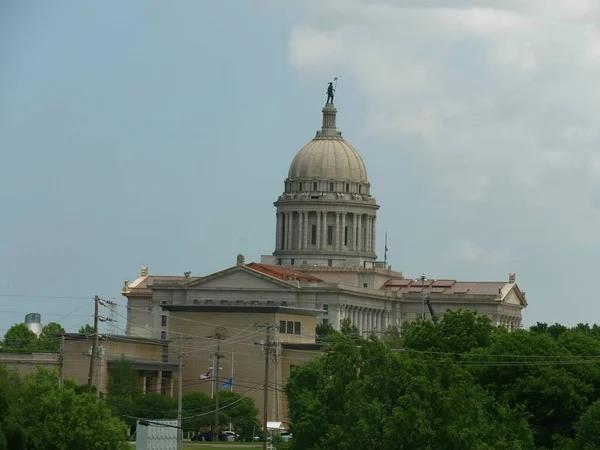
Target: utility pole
pixel 267 348
pixel 94 346
pixel 423 279
pixel 219 336
pixel 61 361
pixel 180 395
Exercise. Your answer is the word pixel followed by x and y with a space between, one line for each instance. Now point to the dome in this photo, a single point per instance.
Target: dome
pixel 328 158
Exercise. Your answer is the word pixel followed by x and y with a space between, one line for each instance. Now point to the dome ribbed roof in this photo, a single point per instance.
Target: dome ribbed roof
pixel 328 158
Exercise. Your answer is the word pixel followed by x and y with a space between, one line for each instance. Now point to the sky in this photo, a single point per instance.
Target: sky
pixel 150 133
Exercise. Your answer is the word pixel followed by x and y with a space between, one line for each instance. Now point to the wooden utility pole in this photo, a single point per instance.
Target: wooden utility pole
pixel 61 361
pixel 180 395
pixel 219 336
pixel 267 349
pixel 94 346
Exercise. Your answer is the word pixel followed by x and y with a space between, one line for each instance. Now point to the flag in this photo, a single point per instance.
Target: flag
pixel 386 249
pixel 205 376
pixel 228 384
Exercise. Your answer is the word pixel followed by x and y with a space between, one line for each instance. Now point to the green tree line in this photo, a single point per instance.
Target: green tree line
pixel 37 414
pixel 451 383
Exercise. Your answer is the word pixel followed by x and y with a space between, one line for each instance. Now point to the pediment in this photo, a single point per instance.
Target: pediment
pixel 240 277
pixel 514 297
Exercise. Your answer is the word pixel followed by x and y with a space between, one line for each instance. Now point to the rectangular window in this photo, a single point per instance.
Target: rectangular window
pixel 329 235
pixel 163 321
pixel 359 189
pixel 331 187
pixel 290 327
pixel 314 186
pixel 313 235
pixel 326 308
pixel 330 262
pixel 165 353
pixel 346 236
pixel 347 187
pixel 325 321
pixel 300 186
pixel 163 335
pixel 297 329
pixel 283 230
pixel 282 326
pixel 292 262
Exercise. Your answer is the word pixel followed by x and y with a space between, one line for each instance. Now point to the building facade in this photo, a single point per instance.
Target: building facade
pixel 324 259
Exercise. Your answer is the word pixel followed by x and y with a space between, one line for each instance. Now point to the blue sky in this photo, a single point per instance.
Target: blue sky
pixel 159 134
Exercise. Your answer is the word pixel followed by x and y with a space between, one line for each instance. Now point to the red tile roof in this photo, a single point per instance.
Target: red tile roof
pixel 282 273
pixel 407 286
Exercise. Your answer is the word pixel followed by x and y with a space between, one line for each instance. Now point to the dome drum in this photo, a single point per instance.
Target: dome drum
pixel 316 186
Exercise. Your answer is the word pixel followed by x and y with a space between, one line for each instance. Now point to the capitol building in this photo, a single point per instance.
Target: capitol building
pixel 324 260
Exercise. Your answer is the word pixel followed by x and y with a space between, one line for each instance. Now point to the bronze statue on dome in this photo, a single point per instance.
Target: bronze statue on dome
pixel 331 90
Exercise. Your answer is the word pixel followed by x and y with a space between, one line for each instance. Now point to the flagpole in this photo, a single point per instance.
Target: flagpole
pixel 385 252
pixel 232 352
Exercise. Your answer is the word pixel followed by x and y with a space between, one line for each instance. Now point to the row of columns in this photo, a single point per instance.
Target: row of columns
pixel 361 231
pixel 367 320
pixel 510 322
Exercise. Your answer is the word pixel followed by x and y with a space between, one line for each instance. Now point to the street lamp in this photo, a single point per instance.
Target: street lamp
pixel 423 279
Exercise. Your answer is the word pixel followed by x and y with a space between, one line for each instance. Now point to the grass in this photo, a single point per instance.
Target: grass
pixel 221 445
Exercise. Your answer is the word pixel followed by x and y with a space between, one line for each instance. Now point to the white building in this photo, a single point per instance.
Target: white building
pixel 324 258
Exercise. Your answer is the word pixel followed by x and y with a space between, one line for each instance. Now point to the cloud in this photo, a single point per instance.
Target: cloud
pixel 469 251
pixel 500 97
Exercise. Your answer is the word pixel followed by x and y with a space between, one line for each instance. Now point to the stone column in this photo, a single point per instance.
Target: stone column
pixel 378 319
pixel 159 382
pixel 290 230
pixel 277 231
pixel 373 240
pixel 369 321
pixel 286 230
pixel 306 228
pixel 368 234
pixel 360 234
pixel 318 229
pixel 301 226
pixel 355 232
pixel 354 316
pixel 144 383
pixel 337 238
pixel 324 230
pixel 343 231
pixel 171 387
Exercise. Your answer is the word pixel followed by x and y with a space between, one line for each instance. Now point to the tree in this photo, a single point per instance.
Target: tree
pixel 587 430
pixel 534 370
pixel 19 338
pixel 347 328
pixel 323 330
pixel 123 382
pixel 457 332
pixel 238 410
pixel 392 401
pixel 49 340
pixel 197 407
pixel 54 418
pixel 86 329
pixel 392 336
